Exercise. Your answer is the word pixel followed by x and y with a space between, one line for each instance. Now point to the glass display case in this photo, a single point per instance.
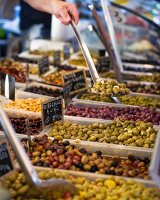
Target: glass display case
pixel 135 33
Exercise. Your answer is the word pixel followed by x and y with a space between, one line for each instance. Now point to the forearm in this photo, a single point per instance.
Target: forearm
pixel 64 11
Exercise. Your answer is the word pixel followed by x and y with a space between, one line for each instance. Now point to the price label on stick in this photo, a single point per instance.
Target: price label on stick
pixel 6 164
pixel 43 65
pixel 66 51
pixel 52 110
pixel 7 86
pixel 57 58
pixel 77 81
pixel 66 93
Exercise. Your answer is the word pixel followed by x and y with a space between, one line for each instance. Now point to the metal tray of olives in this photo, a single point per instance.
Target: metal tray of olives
pixel 24 95
pixel 89 176
pixel 36 84
pixel 94 176
pixel 77 99
pixel 107 152
pixel 125 150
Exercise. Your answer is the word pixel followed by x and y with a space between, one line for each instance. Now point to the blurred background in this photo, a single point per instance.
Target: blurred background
pixel 137 26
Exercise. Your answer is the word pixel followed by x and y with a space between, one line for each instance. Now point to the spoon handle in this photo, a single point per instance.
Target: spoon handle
pixel 86 53
pixel 18 149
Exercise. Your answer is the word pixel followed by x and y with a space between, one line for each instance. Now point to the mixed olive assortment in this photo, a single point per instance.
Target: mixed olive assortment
pixel 155 77
pixel 29 104
pixel 148 89
pixel 19 124
pixel 145 101
pixel 128 133
pixel 109 87
pixel 109 112
pixel 111 188
pixel 57 77
pixel 13 68
pixel 44 91
pixel 62 155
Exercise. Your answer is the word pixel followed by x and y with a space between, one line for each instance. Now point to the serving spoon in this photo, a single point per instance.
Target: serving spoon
pixel 87 56
pixel 45 187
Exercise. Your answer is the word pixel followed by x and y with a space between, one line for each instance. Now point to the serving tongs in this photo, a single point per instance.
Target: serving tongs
pixel 87 56
pixel 55 187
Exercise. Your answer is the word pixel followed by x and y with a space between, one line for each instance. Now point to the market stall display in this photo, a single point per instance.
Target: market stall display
pixel 106 149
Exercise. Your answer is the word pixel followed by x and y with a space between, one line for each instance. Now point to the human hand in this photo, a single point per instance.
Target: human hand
pixel 65 12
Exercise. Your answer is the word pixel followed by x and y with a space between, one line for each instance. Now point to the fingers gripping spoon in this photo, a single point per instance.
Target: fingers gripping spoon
pixel 88 58
pixel 56 186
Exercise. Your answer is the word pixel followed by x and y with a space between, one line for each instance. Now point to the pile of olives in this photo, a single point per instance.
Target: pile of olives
pixel 19 124
pixel 63 155
pixel 148 89
pixel 109 87
pixel 109 112
pixel 145 101
pixel 44 91
pixel 111 188
pixel 121 132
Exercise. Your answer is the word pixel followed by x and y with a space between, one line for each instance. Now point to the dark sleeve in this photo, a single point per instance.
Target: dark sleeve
pixel 29 16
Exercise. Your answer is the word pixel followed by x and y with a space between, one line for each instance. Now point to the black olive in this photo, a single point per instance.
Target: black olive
pixel 83 150
pixel 114 163
pixel 79 165
pixel 66 143
pixel 99 153
pixel 111 172
pixel 94 168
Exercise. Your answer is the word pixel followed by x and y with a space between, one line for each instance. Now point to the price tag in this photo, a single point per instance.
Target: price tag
pixel 6 164
pixel 66 51
pixel 77 81
pixel 154 168
pixel 102 63
pixel 75 45
pixel 102 52
pixel 52 110
pixel 66 93
pixel 43 65
pixel 57 58
pixel 7 86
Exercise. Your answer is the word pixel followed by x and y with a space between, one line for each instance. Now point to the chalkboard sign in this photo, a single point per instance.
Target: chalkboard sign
pixel 6 164
pixel 66 93
pixel 52 110
pixel 66 51
pixel 43 65
pixel 75 45
pixel 57 58
pixel 77 80
pixel 7 85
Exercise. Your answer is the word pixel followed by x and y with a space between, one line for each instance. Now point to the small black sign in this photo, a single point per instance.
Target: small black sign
pixel 102 63
pixel 77 80
pixel 57 58
pixel 75 45
pixel 6 164
pixel 102 52
pixel 66 51
pixel 66 93
pixel 52 110
pixel 7 86
pixel 43 65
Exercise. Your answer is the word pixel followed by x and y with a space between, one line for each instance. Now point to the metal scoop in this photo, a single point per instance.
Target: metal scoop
pixel 55 186
pixel 88 58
